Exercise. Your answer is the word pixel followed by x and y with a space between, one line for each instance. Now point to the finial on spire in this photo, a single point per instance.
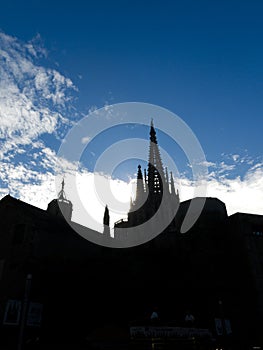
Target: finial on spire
pixel 106 218
pixel 139 174
pixel 62 185
pixel 153 133
pixel 61 194
pixel 140 190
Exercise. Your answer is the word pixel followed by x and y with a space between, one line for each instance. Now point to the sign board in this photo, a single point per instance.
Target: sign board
pixel 34 315
pixel 228 327
pixel 168 332
pixel 12 313
pixel 219 326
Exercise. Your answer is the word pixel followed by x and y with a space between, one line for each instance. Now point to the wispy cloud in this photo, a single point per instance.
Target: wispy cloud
pixel 239 193
pixel 34 102
pixel 33 98
pixel 85 140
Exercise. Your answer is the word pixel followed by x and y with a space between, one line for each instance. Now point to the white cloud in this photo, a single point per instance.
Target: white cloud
pixel 223 167
pixel 239 194
pixel 95 191
pixel 235 157
pixel 85 139
pixel 32 97
pixel 208 164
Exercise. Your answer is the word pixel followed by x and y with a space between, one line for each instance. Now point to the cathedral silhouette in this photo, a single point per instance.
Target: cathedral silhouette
pixel 214 270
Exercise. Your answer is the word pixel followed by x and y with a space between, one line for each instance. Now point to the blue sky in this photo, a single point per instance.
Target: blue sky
pixel 200 59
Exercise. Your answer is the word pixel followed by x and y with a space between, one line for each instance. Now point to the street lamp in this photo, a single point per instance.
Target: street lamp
pixel 24 311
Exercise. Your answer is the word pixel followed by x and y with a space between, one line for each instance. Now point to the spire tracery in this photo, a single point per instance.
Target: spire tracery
pixel 155 165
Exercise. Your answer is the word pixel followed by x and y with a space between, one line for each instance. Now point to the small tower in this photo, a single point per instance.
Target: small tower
pixel 140 192
pixel 106 222
pixel 61 207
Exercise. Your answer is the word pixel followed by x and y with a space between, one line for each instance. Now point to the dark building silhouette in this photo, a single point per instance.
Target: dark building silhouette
pixel 151 190
pixel 214 270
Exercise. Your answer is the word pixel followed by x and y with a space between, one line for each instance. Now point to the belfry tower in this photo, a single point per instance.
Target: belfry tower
pixel 61 207
pixel 151 188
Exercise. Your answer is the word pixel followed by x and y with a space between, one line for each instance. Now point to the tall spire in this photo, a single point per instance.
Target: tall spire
pixel 155 165
pixel 155 192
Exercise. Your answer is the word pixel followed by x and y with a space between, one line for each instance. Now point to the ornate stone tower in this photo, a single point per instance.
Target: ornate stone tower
pixel 151 188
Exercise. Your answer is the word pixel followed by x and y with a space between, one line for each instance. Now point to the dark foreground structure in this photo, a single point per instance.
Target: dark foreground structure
pixel 81 293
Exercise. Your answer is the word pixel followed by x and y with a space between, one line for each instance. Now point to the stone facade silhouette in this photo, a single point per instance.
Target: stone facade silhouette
pixel 83 286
